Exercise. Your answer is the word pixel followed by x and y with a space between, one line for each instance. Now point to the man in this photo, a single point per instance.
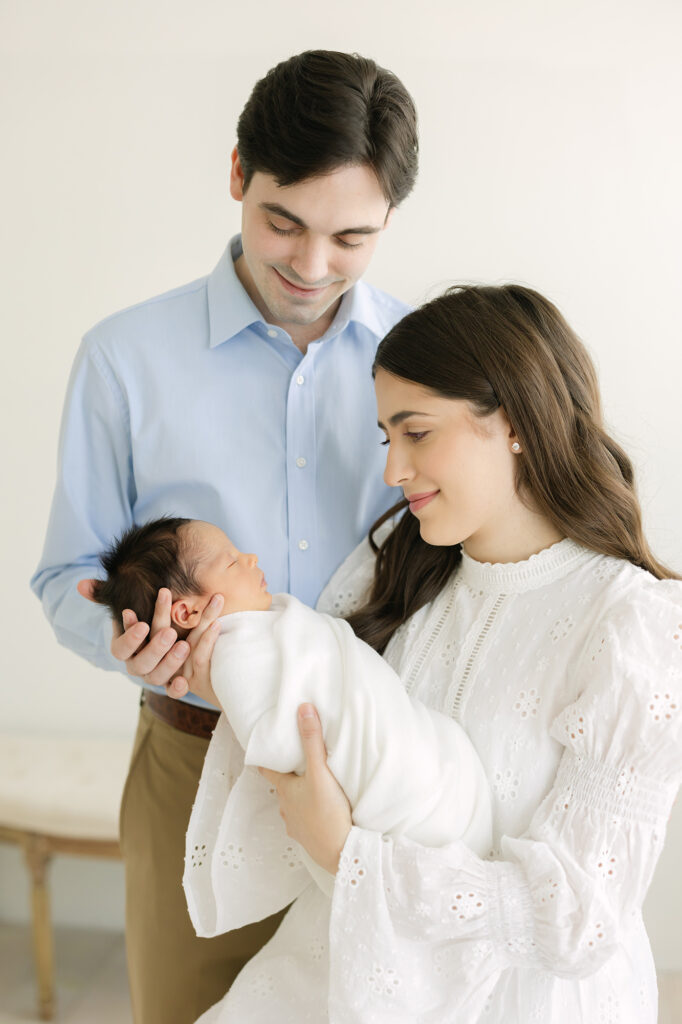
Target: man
pixel 244 399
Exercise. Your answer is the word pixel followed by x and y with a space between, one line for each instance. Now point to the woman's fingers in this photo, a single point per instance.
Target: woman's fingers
pixel 310 730
pixel 275 778
pixel 314 807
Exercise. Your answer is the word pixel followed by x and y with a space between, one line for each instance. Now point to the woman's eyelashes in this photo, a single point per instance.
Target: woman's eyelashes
pixel 414 435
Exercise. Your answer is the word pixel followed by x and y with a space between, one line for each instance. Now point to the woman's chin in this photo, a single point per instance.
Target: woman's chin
pixel 438 537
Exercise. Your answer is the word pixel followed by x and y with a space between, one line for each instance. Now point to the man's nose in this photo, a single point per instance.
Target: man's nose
pixel 310 261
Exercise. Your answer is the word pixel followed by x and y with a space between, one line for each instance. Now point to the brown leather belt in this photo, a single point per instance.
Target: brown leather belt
pixel 185 717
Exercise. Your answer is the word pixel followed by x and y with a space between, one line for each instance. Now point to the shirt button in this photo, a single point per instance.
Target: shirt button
pixel 272 333
pixel 300 379
pixel 300 462
pixel 303 545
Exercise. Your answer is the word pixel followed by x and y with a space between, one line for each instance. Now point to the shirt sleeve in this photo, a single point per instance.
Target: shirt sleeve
pixel 445 922
pixel 92 503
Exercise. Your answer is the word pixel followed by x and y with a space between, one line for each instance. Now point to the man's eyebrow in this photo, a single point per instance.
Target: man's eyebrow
pixel 281 211
pixel 398 417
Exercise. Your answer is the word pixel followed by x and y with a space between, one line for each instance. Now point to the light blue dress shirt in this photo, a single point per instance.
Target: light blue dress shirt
pixel 191 404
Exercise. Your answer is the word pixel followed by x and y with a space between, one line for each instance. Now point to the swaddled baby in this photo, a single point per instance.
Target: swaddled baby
pixel 405 768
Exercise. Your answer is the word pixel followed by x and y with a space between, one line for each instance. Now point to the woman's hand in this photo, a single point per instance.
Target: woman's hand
pixel 315 809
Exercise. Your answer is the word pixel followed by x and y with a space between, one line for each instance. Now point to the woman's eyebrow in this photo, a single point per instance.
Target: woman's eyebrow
pixel 398 417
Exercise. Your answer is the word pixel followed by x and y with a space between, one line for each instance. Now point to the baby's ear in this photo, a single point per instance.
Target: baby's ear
pixel 185 613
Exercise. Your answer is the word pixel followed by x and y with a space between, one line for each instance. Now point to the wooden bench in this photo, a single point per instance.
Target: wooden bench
pixel 58 795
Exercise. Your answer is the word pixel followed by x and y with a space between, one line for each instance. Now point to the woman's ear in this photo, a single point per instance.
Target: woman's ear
pixel 514 443
pixel 185 612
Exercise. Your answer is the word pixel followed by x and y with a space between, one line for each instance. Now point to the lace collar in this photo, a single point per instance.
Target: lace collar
pixel 547 566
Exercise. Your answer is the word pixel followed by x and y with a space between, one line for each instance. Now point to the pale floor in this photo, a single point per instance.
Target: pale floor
pixel 92 986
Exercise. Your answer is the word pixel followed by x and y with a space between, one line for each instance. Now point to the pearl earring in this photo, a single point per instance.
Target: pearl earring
pixel 516 447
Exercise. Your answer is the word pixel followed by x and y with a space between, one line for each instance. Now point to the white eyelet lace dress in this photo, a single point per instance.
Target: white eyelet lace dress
pixel 566 672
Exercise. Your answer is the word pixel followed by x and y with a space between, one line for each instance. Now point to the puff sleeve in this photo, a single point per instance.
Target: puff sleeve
pixel 437 926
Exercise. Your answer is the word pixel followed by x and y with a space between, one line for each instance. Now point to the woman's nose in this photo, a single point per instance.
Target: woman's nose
pixel 398 470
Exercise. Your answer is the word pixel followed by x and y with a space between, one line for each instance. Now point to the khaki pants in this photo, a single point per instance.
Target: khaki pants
pixel 174 976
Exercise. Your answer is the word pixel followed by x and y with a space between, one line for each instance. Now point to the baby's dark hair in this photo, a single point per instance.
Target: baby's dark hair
pixel 141 561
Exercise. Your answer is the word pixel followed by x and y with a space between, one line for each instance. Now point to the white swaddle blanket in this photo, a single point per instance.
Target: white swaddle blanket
pixel 405 768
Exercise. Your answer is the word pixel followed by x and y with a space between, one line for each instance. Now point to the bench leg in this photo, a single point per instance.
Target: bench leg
pixel 38 857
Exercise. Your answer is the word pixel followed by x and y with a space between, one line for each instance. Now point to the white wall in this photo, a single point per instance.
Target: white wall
pixel 550 154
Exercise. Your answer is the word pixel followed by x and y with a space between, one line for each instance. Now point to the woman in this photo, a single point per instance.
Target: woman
pixel 518 595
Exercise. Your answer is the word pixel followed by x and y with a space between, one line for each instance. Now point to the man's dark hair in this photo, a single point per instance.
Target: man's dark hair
pixel 141 561
pixel 322 110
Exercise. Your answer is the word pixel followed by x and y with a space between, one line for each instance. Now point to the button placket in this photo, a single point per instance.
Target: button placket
pixel 301 479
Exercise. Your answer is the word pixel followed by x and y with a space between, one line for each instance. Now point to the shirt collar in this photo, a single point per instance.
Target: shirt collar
pixel 230 310
pixel 549 565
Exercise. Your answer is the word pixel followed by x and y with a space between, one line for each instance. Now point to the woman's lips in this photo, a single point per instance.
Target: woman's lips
pixel 418 501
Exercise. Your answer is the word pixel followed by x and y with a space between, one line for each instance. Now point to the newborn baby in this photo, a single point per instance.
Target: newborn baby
pixel 405 768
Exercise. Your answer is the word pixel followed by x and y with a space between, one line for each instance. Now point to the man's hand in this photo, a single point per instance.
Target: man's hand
pixel 160 661
pixel 315 809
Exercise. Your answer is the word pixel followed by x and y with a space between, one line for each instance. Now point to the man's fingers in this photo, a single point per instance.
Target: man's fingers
pixel 84 588
pixel 124 645
pixel 310 729
pixel 177 688
pixel 208 616
pixel 203 649
pixel 129 618
pixel 162 611
pixel 167 667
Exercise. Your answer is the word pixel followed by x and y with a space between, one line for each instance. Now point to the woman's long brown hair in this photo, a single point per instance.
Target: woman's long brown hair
pixel 509 347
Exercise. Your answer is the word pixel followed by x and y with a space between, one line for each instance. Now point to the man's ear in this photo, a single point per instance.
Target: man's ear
pixel 236 177
pixel 186 612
